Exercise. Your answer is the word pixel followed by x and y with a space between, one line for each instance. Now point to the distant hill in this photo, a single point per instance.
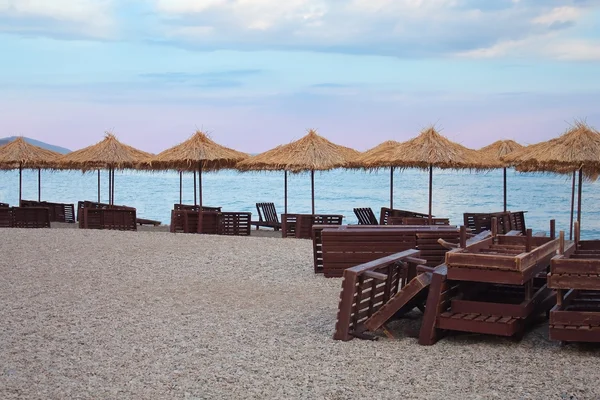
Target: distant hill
pixel 34 142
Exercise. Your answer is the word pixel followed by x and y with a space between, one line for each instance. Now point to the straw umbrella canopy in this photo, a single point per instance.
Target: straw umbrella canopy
pixel 20 154
pixel 377 151
pixel 198 153
pixel 493 153
pixel 309 153
pixel 578 149
pixel 428 150
pixel 109 154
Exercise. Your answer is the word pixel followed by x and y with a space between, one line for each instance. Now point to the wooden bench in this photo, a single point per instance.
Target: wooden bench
pixel 386 213
pixel 365 216
pixel 59 212
pixel 350 245
pixel 122 219
pixel 235 223
pixel 24 217
pixel 575 275
pixel 299 226
pixel 267 216
pixel 367 287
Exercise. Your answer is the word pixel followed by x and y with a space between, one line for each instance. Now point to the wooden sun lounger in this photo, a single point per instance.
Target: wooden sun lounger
pixel 367 287
pixel 575 275
pixel 24 217
pixel 492 286
pixel 365 216
pixel 386 213
pixel 267 216
pixel 59 212
pixel 4 205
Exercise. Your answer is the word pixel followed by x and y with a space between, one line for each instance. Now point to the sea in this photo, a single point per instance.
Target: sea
pixel 543 196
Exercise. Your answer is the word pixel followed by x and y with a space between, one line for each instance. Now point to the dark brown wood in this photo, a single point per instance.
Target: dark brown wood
pixel 59 212
pixel 122 219
pixel 430 333
pixel 561 247
pixel 195 193
pixel 365 216
pixel 180 187
pixel 463 236
pixel 267 216
pixel 235 223
pixel 365 289
pixel 386 213
pixel 98 186
pixel 200 183
pixel 20 183
pixel 430 190
pixel 24 217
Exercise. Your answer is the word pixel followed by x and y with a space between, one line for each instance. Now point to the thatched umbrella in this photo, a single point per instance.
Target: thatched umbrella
pixel 428 150
pixel 310 153
pixel 107 154
pixel 20 154
pixel 578 149
pixel 493 153
pixel 377 151
pixel 198 153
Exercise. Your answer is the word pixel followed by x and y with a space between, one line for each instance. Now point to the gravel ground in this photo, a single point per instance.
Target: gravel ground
pixel 151 315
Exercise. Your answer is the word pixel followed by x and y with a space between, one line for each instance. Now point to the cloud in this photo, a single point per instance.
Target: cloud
pixel 88 18
pixel 405 28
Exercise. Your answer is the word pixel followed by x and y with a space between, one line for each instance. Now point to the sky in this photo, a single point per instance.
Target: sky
pixel 258 73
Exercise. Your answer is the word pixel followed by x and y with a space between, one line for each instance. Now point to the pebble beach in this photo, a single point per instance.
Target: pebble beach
pixel 153 315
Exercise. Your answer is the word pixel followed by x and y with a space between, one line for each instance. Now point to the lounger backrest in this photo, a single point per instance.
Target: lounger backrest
pixel 365 216
pixel 4 205
pixel 267 212
pixel 390 212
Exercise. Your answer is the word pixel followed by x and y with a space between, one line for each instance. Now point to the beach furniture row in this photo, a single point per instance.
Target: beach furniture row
pixel 489 283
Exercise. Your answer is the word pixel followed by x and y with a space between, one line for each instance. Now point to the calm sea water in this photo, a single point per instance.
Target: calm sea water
pixel 337 192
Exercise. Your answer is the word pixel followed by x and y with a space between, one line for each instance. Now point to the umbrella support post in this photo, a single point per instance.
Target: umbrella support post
pixel 504 189
pixel 430 190
pixel 180 187
pixel 392 188
pixel 200 185
pixel 113 187
pixel 285 192
pixel 109 180
pixel 39 184
pixel 195 198
pixel 98 186
pixel 572 207
pixel 20 183
pixel 312 188
pixel 579 197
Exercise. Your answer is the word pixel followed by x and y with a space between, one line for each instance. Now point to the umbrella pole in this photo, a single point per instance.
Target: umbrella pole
pixel 430 189
pixel 39 184
pixel 98 186
pixel 392 188
pixel 113 186
pixel 109 181
pixel 20 183
pixel 579 197
pixel 200 184
pixel 504 189
pixel 572 207
pixel 285 192
pixel 312 188
pixel 195 200
pixel 180 187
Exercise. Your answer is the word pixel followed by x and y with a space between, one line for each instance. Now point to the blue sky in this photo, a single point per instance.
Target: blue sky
pixel 257 73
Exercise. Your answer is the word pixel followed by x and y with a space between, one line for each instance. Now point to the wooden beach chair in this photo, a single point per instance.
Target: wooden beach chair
pixel 575 275
pixel 365 216
pixel 4 205
pixel 59 212
pixel 267 216
pixel 492 286
pixel 30 217
pixel 386 213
